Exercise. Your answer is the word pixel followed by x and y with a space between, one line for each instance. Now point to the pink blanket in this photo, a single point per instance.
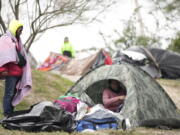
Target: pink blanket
pixel 8 54
pixel 68 103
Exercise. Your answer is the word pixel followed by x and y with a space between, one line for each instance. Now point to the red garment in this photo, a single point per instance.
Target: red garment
pixel 12 69
pixel 108 60
pixel 111 100
pixel 3 69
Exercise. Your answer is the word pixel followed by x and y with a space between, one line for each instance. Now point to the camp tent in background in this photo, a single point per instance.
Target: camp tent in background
pixel 168 61
pixel 70 66
pixel 157 62
pixel 146 103
pixel 146 100
pixel 81 66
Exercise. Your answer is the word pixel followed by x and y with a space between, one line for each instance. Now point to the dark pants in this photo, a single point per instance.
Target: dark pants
pixel 10 90
pixel 67 53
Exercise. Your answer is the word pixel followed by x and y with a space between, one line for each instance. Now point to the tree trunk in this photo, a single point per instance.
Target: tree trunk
pixel 141 25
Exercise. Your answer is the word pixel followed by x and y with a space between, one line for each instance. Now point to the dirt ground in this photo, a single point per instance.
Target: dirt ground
pixel 172 87
pixel 174 93
pixel 73 78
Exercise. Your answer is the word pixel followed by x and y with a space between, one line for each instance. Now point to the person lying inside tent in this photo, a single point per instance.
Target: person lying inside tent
pixel 113 96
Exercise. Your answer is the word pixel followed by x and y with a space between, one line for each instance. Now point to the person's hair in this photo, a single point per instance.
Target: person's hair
pixel 110 80
pixel 18 36
pixel 119 84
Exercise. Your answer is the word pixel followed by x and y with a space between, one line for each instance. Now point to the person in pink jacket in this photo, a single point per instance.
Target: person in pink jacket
pixel 113 96
pixel 14 67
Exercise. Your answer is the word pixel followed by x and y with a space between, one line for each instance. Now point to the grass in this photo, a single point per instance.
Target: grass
pixel 138 131
pixel 48 86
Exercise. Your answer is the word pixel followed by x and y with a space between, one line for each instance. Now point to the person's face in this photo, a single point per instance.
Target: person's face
pixel 114 84
pixel 66 40
pixel 19 31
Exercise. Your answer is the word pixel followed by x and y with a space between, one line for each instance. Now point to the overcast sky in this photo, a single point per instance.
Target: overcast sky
pixel 83 37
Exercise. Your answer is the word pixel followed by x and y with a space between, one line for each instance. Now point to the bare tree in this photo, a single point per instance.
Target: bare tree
pixel 141 25
pixel 166 14
pixel 49 14
pixel 3 26
pixel 170 12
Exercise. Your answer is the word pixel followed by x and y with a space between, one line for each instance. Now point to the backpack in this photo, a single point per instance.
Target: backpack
pixel 97 124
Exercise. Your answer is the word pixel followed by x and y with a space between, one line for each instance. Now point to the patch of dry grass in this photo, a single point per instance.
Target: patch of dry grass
pixel 172 87
pixel 46 87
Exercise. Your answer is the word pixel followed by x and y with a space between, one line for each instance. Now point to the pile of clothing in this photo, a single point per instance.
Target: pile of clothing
pixel 67 113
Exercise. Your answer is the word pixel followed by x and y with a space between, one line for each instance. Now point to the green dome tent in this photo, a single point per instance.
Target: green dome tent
pixel 146 100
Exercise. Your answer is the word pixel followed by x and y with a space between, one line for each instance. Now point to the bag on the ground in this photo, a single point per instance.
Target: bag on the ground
pixel 97 124
pixel 50 119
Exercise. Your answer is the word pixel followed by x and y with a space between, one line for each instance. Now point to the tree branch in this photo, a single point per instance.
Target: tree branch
pixel 11 5
pixel 3 26
pixel 45 15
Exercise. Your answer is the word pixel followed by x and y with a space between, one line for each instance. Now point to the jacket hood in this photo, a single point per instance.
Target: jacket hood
pixel 14 25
